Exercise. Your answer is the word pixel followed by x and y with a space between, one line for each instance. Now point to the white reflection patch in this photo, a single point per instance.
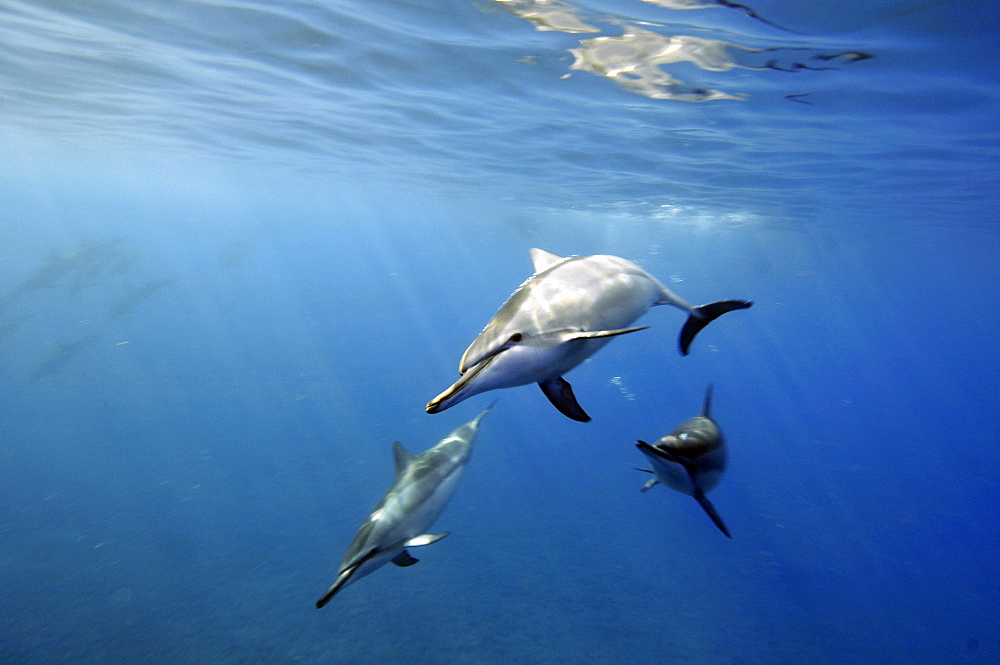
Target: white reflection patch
pixel 682 4
pixel 549 15
pixel 633 61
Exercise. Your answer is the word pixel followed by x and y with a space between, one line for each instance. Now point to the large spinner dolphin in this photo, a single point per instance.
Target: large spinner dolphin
pixel 558 318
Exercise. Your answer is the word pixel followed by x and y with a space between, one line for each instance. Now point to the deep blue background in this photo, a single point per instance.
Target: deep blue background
pixel 326 202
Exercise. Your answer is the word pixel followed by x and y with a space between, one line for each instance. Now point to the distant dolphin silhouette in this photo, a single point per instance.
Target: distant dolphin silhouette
pixel 558 318
pixel 87 262
pixel 61 355
pixel 690 459
pixel 423 486
pixel 135 295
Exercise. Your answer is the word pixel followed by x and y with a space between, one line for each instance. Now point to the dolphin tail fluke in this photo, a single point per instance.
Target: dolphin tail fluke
pixel 712 513
pixel 560 393
pixel 702 316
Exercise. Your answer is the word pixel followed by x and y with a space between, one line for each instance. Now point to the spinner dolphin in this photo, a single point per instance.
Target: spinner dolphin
pixel 691 459
pixel 564 313
pixel 423 486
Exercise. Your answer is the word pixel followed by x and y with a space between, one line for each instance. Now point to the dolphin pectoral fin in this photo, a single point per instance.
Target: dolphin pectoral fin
pixel 560 393
pixel 701 316
pixel 688 465
pixel 652 481
pixel 597 334
pixel 425 539
pixel 403 559
pixel 712 513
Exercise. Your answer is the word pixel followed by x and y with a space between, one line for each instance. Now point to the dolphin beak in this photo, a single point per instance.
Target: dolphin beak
pixel 458 390
pixel 342 579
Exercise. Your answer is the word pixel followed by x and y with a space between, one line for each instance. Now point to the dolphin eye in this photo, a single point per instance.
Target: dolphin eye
pixel 515 338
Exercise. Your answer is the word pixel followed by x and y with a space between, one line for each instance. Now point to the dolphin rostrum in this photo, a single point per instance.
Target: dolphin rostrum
pixel 564 313
pixel 690 459
pixel 424 483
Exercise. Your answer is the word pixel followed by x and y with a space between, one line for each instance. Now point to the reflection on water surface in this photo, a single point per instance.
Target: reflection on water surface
pixel 635 59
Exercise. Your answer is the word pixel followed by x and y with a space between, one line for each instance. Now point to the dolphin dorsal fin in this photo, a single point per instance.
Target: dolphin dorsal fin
pixel 706 410
pixel 543 260
pixel 401 457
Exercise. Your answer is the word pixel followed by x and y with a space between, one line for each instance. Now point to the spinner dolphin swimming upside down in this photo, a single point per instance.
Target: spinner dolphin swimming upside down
pixel 423 486
pixel 563 314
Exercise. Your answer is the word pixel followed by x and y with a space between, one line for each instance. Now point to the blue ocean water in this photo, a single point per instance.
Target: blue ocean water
pixel 243 242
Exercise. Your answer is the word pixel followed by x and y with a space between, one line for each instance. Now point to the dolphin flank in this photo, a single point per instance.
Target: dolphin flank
pixel 423 486
pixel 560 316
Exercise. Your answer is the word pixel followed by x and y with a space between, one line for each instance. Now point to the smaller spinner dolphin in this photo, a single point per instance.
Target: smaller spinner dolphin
pixel 423 486
pixel 690 459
